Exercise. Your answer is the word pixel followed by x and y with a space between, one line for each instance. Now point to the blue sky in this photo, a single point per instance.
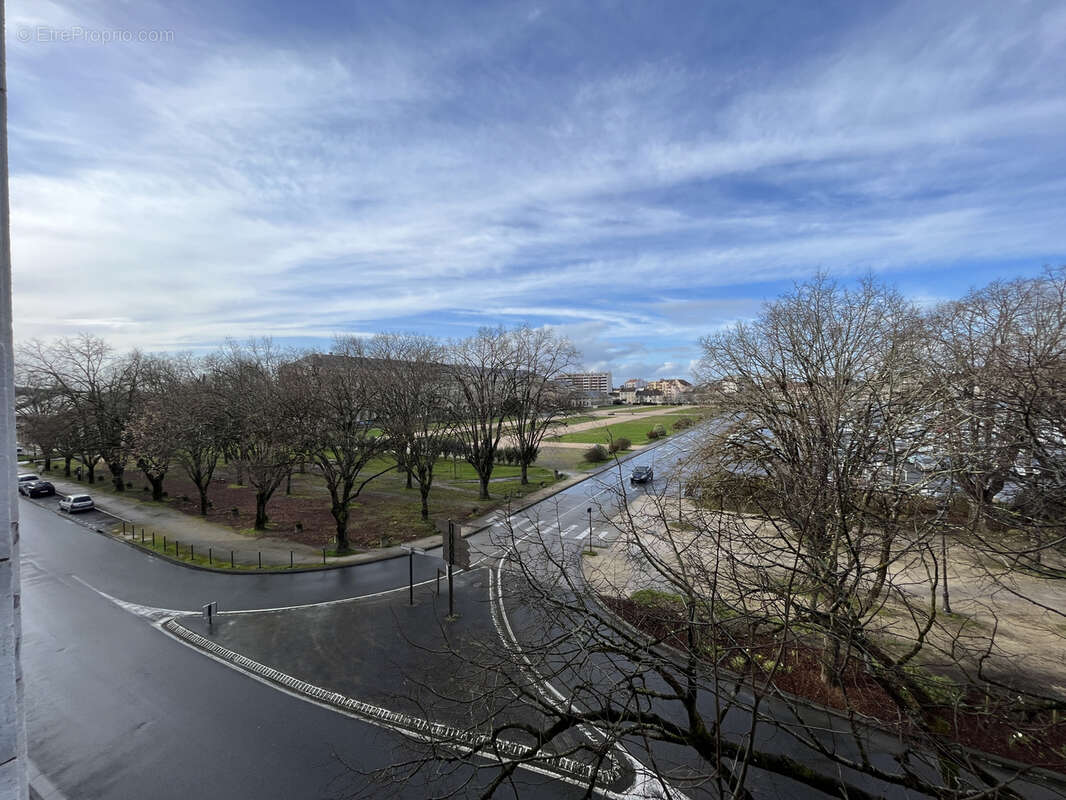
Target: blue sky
pixel 635 174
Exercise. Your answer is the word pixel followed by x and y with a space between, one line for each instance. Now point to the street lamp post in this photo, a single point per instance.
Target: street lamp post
pixel 591 548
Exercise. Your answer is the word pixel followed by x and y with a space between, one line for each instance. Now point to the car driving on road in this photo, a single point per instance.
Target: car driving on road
pixel 641 475
pixel 76 502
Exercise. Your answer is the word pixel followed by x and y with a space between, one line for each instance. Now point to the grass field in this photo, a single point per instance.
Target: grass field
pixel 384 514
pixel 634 430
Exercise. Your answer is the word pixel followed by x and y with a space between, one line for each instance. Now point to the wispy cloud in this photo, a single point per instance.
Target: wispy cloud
pixel 364 169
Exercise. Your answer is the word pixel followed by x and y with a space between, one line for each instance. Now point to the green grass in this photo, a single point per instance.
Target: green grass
pixel 653 598
pixel 181 552
pixel 634 430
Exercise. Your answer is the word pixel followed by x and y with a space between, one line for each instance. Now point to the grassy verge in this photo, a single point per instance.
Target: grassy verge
pixel 635 430
pixel 176 551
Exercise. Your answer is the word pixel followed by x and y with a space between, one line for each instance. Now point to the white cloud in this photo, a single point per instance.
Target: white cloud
pixel 228 187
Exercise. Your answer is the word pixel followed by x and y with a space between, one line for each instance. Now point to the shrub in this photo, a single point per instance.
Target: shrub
pixel 620 444
pixel 682 423
pixel 596 454
pixel 657 432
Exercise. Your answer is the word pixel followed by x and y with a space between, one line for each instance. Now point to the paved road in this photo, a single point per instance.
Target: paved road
pixel 116 709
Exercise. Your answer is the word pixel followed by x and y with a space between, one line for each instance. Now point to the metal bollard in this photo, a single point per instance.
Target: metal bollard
pixel 123 528
pixel 231 559
pixel 260 559
pixel 323 555
pixel 290 559
pixel 210 557
pixel 153 538
pixel 142 535
pixel 192 552
pixel 164 543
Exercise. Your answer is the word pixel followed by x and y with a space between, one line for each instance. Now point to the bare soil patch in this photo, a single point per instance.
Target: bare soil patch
pixel 992 724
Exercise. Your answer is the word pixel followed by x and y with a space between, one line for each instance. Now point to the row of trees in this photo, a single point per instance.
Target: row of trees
pixel 861 443
pixel 265 411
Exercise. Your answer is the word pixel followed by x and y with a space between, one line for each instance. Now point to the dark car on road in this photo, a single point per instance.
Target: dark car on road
pixel 39 489
pixel 641 475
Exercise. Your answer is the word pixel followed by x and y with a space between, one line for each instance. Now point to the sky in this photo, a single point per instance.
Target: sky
pixel 636 175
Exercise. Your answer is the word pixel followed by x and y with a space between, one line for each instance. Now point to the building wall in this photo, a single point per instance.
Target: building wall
pixel 591 381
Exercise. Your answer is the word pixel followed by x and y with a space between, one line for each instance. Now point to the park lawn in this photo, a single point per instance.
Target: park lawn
pixel 386 512
pixel 634 430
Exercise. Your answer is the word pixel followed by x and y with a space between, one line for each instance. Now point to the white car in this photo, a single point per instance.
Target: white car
pixel 76 502
pixel 26 480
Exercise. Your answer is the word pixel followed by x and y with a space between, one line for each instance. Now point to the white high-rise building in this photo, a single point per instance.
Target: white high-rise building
pixel 590 381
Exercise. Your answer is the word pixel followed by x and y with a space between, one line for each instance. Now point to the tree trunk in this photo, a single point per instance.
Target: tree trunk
pixel 424 491
pixel 410 484
pixel 66 465
pixel 202 489
pixel 90 471
pixel 288 483
pixel 525 473
pixel 340 514
pixel 261 517
pixel 484 480
pixel 118 473
pixel 48 462
pixel 157 487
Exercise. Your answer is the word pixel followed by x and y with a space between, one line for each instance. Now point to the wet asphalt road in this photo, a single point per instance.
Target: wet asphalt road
pixel 116 709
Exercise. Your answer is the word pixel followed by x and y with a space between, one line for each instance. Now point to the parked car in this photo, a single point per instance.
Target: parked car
pixel 26 480
pixel 76 502
pixel 641 475
pixel 39 489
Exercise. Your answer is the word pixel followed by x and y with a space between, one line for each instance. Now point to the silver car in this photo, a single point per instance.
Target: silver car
pixel 76 502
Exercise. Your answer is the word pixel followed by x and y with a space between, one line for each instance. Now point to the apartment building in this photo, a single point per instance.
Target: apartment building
pixel 599 382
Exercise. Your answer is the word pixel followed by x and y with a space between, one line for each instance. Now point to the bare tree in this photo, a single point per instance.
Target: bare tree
pixel 542 357
pixel 978 341
pixel 482 369
pixel 45 416
pixel 261 404
pixel 152 437
pixel 829 411
pixel 414 389
pixel 341 393
pixel 100 386
pixel 196 408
